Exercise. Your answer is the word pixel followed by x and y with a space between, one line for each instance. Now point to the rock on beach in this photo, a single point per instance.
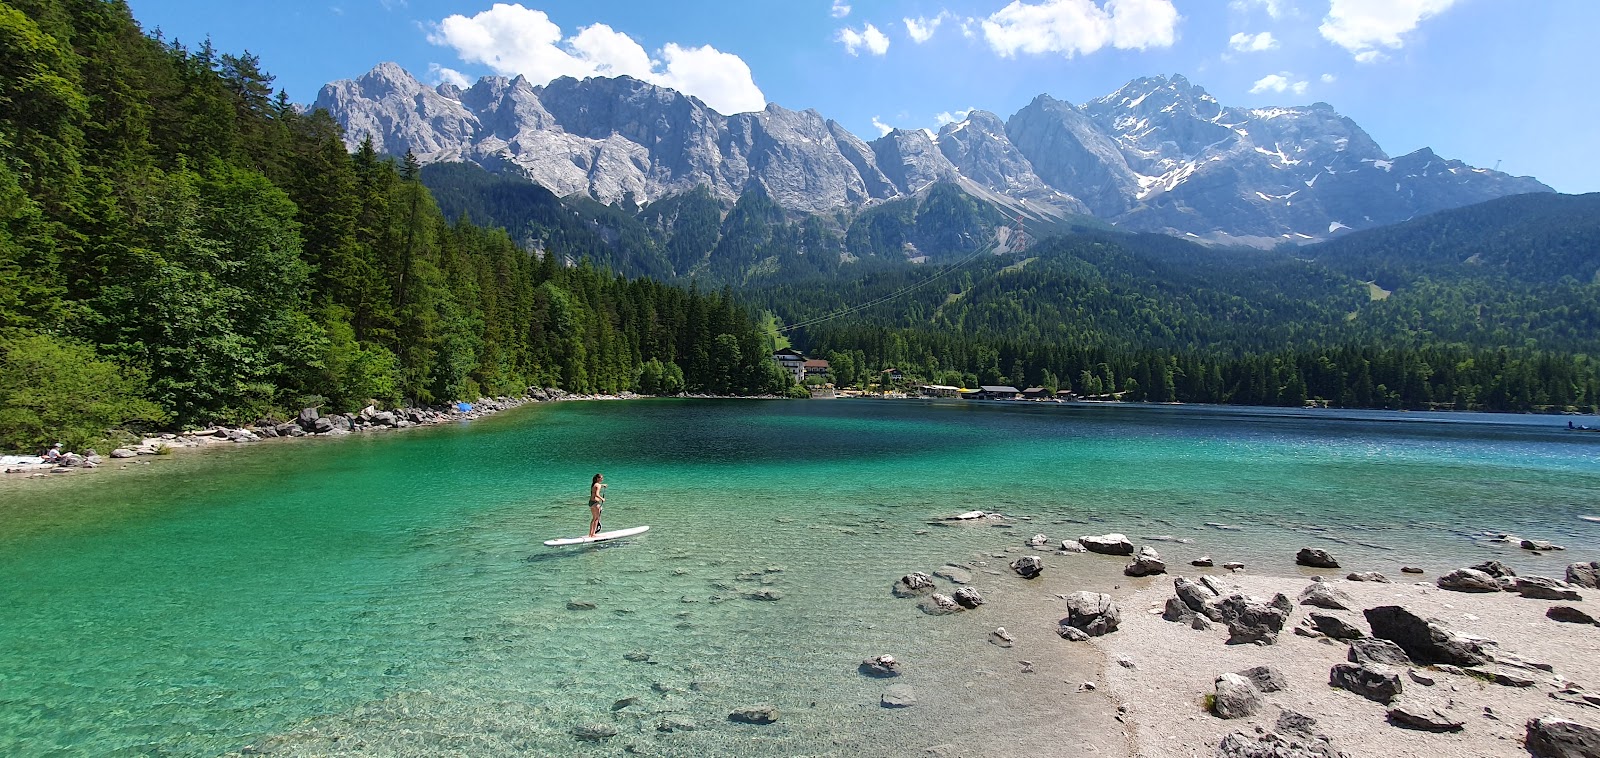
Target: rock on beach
pixel 1107 544
pixel 1315 557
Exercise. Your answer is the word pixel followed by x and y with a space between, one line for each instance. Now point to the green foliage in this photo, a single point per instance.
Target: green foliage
pixel 54 389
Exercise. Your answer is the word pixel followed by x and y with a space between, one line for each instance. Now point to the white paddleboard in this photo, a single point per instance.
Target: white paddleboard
pixel 601 537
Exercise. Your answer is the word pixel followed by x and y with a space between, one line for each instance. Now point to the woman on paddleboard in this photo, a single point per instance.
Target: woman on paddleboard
pixel 595 499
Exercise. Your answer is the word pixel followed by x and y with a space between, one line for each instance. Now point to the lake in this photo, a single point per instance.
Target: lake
pixel 388 593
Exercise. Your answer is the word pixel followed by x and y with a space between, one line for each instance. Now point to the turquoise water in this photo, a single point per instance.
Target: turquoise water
pixel 388 593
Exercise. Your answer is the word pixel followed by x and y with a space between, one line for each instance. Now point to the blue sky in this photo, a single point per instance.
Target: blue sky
pixel 1484 81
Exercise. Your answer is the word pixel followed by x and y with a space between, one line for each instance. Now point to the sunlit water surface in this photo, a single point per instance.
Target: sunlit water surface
pixel 388 593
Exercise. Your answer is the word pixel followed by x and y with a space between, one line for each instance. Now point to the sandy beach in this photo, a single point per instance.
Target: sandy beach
pixel 1161 672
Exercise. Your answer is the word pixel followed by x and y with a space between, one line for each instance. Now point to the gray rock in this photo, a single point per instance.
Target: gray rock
pixel 1028 566
pixel 307 417
pixel 1198 596
pixel 1468 580
pixel 1235 697
pixel 594 732
pixel 385 418
pixel 1575 695
pixel 1500 676
pixel 1540 545
pixel 1423 718
pixel 765 595
pixel 1315 557
pixel 1552 737
pixel 1568 614
pixel 1324 595
pixel 1334 627
pixel 1274 745
pixel 1038 541
pixel 1420 678
pixel 882 666
pixel 1250 620
pixel 322 425
pixel 939 605
pixel 1072 633
pixel 1367 576
pixel 1233 566
pixel 122 452
pixel 580 605
pixel 1266 678
pixel 898 696
pixel 1001 637
pixel 1495 569
pixel 1584 574
pixel 914 584
pixel 755 714
pixel 1377 683
pixel 1203 561
pixel 1093 613
pixel 1073 546
pixel 1410 570
pixel 954 574
pixel 1544 588
pixel 1107 544
pixel 968 598
pixel 1377 652
pixel 1147 562
pixel 1425 641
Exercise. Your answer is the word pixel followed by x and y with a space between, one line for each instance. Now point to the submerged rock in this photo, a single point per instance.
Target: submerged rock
pixel 914 584
pixel 1203 561
pixel 1028 566
pixel 968 598
pixel 755 714
pixel 939 605
pixel 594 732
pixel 1540 545
pixel 882 667
pixel 898 696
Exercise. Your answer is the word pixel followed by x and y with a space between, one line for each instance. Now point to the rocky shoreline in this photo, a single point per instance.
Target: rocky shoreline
pixel 311 423
pixel 1478 661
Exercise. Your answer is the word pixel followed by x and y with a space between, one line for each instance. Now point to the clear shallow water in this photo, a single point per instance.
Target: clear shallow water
pixel 389 592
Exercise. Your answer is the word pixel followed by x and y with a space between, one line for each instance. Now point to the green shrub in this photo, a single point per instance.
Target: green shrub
pixel 54 389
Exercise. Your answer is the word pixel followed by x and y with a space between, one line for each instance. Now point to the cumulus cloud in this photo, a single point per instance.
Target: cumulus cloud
pixel 883 129
pixel 511 40
pixel 921 29
pixel 1364 26
pixel 1274 8
pixel 1283 82
pixel 1072 27
pixel 870 38
pixel 1329 78
pixel 840 9
pixel 1252 43
pixel 951 117
pixel 442 75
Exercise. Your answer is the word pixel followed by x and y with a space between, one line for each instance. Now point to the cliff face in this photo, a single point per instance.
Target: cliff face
pixel 1159 154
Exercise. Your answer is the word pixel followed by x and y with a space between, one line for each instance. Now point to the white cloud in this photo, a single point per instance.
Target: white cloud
pixel 1252 43
pixel 513 40
pixel 442 75
pixel 840 9
pixel 1364 26
pixel 1071 27
pixel 951 117
pixel 883 129
pixel 870 38
pixel 921 29
pixel 1279 83
pixel 1329 78
pixel 1274 8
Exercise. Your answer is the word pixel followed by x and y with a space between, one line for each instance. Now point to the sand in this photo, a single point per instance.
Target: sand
pixel 1174 668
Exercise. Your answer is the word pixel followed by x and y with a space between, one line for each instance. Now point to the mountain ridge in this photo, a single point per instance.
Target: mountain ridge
pixel 1160 154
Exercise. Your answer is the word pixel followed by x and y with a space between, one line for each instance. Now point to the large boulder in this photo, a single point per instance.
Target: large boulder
pixel 1028 566
pixel 967 597
pixel 1540 545
pixel 1551 737
pixel 1236 697
pixel 1093 613
pixel 1568 614
pixel 940 605
pixel 307 417
pixel 1324 595
pixel 122 452
pixel 1584 574
pixel 1198 597
pixel 1426 641
pixel 1377 683
pixel 882 666
pixel 1177 612
pixel 1316 557
pixel 1293 736
pixel 385 418
pixel 1544 588
pixel 1147 562
pixel 1468 580
pixel 1107 544
pixel 321 425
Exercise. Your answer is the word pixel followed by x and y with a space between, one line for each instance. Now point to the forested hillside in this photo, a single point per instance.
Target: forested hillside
pixel 178 246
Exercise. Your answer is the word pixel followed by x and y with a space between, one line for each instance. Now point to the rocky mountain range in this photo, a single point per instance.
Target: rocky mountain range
pixel 1160 154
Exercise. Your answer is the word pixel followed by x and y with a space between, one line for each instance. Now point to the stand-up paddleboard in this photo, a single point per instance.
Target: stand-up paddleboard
pixel 601 537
